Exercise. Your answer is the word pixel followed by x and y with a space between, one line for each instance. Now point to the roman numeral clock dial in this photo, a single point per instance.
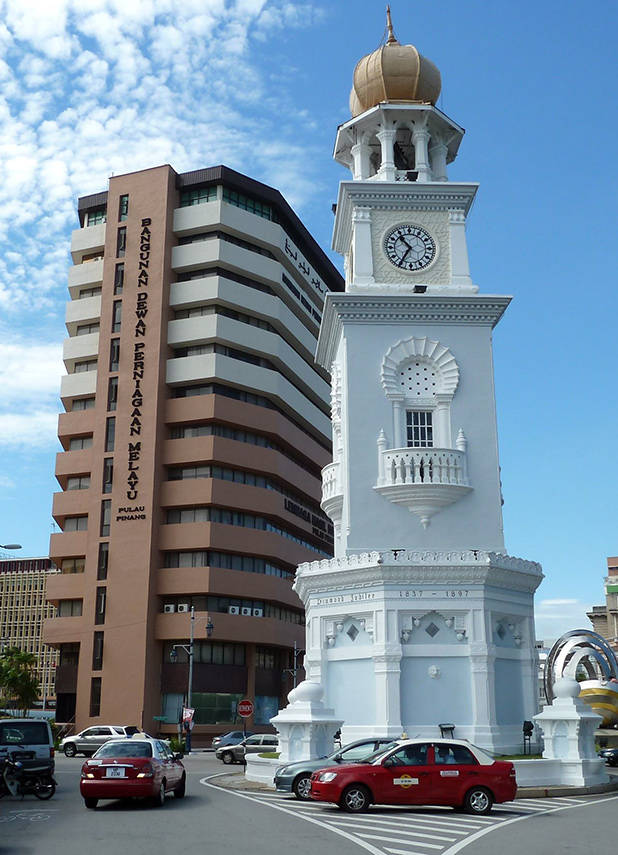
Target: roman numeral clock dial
pixel 410 247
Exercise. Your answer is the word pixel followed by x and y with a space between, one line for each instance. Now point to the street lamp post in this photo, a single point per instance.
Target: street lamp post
pixel 188 648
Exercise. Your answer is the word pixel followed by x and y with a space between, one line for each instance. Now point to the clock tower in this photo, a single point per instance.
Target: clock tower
pixel 421 618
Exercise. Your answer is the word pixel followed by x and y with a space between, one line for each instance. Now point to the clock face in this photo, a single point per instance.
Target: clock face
pixel 409 247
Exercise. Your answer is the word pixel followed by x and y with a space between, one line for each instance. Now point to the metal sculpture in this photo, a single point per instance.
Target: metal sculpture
pixel 584 650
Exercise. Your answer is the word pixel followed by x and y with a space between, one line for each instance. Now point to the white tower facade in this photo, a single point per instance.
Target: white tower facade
pixel 421 618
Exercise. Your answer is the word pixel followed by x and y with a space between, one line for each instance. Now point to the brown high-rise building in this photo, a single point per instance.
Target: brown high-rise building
pixel 196 426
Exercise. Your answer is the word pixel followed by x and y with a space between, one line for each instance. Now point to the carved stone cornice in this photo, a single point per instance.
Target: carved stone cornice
pixel 339 309
pixel 360 571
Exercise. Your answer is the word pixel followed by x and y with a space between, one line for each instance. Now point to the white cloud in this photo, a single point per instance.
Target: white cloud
pixel 95 87
pixel 554 617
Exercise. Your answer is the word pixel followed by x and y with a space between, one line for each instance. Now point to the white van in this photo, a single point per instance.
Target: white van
pixel 27 734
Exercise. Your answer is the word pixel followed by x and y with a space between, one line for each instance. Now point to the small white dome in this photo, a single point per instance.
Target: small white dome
pixel 566 688
pixel 308 692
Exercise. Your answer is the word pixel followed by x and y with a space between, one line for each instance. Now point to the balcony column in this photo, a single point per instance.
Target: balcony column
pixel 460 265
pixel 442 438
pixel 381 450
pixel 397 426
pixel 360 155
pixel 387 143
pixel 420 140
pixel 438 153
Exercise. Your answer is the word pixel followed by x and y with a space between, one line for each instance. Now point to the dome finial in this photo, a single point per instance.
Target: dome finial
pixel 392 39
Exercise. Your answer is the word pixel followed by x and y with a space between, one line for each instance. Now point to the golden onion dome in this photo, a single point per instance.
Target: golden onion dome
pixel 393 72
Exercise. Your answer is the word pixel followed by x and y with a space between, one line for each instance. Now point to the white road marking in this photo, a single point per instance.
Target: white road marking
pixel 391 830
pixel 457 847
pixel 395 840
pixel 397 823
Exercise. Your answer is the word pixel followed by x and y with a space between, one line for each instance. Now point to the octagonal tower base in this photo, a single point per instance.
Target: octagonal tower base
pixel 406 641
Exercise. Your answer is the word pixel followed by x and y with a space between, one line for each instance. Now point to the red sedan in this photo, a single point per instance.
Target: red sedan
pixel 417 772
pixel 132 768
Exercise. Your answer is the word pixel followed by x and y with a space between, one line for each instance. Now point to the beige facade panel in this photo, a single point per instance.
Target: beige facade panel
pixel 73 463
pixel 88 274
pixel 78 385
pixel 87 310
pixel 70 503
pixel 87 241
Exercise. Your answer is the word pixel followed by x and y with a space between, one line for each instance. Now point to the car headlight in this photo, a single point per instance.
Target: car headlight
pixel 282 770
pixel 327 777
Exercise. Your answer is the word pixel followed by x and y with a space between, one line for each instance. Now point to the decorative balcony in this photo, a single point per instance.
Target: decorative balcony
pixel 425 480
pixel 332 492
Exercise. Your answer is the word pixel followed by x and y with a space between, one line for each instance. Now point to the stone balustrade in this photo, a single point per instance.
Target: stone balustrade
pixel 422 466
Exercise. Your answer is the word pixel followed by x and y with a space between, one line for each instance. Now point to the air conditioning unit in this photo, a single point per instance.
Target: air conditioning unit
pixel 168 608
pixel 184 607
pixel 233 610
pixel 246 611
pixel 258 612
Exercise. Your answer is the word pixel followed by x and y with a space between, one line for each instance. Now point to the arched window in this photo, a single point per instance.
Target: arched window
pixel 420 377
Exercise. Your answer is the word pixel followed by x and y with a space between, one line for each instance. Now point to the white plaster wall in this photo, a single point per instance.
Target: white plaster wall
pixel 350 690
pixel 436 223
pixel 426 700
pixel 474 522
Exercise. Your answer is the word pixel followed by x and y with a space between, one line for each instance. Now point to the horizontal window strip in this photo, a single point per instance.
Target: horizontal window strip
pixel 225 516
pixel 226 561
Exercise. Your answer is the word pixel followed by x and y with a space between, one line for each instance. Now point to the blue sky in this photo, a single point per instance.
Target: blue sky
pixel 94 87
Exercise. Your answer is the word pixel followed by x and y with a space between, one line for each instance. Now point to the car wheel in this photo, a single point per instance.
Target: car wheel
pixel 228 758
pixel 355 799
pixel 302 787
pixel 69 750
pixel 91 803
pixel 478 801
pixel 159 799
pixel 179 792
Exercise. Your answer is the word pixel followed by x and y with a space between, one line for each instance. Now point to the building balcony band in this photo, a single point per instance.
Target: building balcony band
pixel 73 463
pixel 65 586
pixel 64 630
pixel 76 385
pixel 88 273
pixel 67 544
pixel 79 347
pixel 87 240
pixel 83 311
pixel 185 581
pixel 237 628
pixel 425 480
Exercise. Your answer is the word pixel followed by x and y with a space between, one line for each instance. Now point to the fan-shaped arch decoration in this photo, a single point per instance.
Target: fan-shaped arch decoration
pixel 428 352
pixel 584 650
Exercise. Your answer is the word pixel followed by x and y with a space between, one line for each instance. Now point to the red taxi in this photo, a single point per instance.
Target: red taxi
pixel 132 768
pixel 419 772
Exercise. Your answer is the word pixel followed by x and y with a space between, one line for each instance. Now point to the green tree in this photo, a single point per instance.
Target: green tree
pixel 19 686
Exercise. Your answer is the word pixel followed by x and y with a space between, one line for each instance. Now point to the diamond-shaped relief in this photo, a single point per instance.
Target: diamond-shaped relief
pixel 352 632
pixel 432 629
pixel 501 632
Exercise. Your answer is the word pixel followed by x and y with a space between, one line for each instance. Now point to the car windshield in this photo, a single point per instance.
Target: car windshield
pixel 380 751
pixel 125 749
pixel 24 733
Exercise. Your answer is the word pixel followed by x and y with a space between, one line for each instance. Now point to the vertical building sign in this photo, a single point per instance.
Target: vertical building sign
pixel 134 449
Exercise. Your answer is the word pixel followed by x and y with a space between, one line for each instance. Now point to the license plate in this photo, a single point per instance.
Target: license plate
pixel 114 772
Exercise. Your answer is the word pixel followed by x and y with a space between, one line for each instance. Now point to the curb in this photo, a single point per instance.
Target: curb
pixel 237 781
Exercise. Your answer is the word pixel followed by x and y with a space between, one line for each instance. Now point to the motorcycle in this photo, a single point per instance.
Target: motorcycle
pixel 22 774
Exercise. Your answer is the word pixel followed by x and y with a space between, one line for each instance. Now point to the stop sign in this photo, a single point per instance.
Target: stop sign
pixel 245 708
